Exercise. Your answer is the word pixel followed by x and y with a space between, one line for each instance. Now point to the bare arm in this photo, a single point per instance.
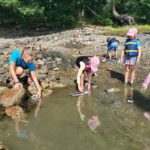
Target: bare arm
pixel 36 82
pixel 17 84
pixel 122 55
pixel 139 54
pixel 89 75
pixel 12 71
pixel 82 67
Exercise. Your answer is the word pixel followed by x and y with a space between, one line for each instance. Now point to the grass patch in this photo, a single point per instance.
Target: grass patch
pixel 122 30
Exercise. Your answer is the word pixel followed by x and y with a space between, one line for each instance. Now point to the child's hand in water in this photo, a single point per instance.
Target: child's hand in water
pixel 89 88
pixel 80 89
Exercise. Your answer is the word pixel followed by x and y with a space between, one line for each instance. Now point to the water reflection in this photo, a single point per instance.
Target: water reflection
pixel 22 133
pixel 92 121
pixel 80 104
pixel 128 94
pixel 38 106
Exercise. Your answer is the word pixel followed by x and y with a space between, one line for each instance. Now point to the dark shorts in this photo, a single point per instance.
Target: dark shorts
pixel 23 79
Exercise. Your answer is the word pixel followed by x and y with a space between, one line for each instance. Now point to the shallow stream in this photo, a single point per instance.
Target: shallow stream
pixel 59 122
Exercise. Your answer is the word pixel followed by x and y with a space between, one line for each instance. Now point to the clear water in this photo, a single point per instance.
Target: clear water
pixel 60 123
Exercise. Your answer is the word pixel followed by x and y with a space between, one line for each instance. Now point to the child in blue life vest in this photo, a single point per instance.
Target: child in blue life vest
pixel 131 54
pixel 112 45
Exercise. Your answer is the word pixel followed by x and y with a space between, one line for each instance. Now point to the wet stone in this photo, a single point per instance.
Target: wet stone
pixel 3 146
pixel 43 71
pixel 39 56
pixel 2 71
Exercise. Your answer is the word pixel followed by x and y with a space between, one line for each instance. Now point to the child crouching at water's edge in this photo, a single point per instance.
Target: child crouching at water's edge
pixel 112 45
pixel 86 64
pixel 19 61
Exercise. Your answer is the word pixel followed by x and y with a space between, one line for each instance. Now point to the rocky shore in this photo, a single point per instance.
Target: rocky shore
pixel 58 51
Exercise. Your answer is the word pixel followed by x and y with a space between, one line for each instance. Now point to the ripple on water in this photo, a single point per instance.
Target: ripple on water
pixel 3 127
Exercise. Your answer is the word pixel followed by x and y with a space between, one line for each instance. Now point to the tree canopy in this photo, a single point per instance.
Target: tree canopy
pixel 60 14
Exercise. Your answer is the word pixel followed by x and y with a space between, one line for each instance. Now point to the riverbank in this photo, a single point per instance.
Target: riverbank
pixel 59 50
pixel 57 55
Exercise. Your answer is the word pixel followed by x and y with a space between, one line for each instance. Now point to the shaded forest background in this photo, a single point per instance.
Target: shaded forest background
pixel 63 14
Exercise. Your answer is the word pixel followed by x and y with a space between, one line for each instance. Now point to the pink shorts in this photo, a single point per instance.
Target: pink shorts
pixel 130 61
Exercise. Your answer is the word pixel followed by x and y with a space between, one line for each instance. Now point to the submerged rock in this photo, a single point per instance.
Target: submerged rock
pixel 113 90
pixel 47 92
pixel 56 85
pixel 32 90
pixel 15 112
pixel 3 146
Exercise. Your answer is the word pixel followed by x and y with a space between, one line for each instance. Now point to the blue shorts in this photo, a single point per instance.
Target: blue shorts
pixel 113 46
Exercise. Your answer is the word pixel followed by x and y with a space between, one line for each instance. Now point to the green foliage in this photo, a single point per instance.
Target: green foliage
pixel 61 14
pixel 100 21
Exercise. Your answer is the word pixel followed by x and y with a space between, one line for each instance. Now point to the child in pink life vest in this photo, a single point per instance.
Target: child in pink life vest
pixel 86 64
pixel 146 82
pixel 131 54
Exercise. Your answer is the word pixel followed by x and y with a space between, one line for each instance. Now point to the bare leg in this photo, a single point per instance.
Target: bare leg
pixel 82 80
pixel 126 74
pixel 19 70
pixel 132 74
pixel 116 54
pixel 89 75
pixel 109 54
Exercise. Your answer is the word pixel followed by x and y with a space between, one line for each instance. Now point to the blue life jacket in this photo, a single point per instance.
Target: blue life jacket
pixel 131 49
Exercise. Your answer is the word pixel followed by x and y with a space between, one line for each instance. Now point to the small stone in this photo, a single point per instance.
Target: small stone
pixel 39 56
pixel 44 85
pixel 56 69
pixel 42 71
pixel 40 62
pixel 47 92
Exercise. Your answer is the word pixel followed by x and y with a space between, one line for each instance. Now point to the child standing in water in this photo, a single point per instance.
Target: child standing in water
pixel 86 64
pixel 131 54
pixel 112 45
